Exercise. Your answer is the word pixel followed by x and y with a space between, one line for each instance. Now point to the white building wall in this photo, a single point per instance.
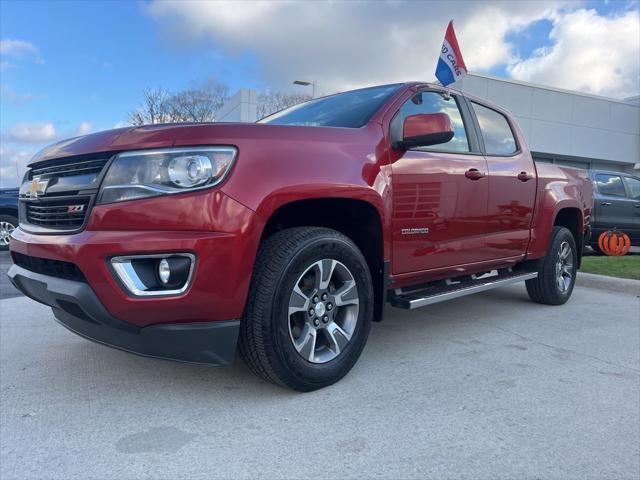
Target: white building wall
pixel 241 107
pixel 564 123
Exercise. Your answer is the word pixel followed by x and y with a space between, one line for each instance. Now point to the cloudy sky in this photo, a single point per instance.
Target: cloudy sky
pixel 69 68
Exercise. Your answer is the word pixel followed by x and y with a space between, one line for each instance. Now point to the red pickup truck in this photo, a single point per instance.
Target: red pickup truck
pixel 286 238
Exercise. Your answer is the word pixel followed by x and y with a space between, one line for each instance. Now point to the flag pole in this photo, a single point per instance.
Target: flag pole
pixel 447 90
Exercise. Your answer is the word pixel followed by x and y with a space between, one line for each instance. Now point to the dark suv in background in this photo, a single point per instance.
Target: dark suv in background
pixel 616 205
pixel 8 215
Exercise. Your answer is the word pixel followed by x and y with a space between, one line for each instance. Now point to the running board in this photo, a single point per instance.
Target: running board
pixel 454 289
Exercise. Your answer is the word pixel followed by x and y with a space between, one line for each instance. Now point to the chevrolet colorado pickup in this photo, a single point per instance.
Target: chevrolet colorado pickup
pixel 286 238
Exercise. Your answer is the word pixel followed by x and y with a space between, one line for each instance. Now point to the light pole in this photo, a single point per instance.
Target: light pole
pixel 306 83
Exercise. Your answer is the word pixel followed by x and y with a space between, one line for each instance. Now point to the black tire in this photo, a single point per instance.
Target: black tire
pixel 266 343
pixel 6 219
pixel 546 288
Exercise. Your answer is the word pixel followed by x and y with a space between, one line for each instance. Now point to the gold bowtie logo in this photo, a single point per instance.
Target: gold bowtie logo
pixel 37 187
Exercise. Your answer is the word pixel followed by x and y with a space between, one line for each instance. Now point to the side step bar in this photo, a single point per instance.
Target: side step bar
pixel 450 289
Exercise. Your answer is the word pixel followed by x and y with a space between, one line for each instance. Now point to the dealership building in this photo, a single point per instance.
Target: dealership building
pixel 561 126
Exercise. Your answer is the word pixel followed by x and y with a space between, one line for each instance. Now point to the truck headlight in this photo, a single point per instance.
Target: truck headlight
pixel 148 173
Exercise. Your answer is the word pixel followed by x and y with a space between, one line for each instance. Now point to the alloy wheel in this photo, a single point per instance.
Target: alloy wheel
pixel 323 311
pixel 564 267
pixel 6 229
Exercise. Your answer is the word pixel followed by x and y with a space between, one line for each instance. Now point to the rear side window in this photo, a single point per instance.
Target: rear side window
pixel 610 185
pixel 496 132
pixel 433 102
pixel 634 187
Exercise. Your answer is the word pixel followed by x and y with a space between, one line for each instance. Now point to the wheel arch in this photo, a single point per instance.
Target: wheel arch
pixel 570 217
pixel 357 218
pixel 9 211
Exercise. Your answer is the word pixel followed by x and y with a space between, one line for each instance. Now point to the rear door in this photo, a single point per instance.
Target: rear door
pixel 439 194
pixel 512 185
pixel 613 209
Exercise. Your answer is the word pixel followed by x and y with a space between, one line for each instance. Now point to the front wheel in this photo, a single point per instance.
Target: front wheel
pixel 309 308
pixel 557 273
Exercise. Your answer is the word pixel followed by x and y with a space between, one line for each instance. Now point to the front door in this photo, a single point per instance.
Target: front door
pixel 439 196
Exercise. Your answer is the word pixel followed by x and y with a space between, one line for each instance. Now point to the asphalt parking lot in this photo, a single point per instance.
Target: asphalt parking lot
pixel 486 387
pixel 6 289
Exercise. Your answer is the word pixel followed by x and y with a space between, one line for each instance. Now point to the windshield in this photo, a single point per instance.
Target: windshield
pixel 349 109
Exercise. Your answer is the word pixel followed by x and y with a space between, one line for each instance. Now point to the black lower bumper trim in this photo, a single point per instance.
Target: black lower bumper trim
pixel 77 307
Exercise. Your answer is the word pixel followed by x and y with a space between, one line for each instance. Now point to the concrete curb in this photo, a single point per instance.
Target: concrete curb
pixel 612 284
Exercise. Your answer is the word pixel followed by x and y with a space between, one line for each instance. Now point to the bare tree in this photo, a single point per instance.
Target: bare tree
pixel 198 104
pixel 155 108
pixel 270 102
pixel 201 104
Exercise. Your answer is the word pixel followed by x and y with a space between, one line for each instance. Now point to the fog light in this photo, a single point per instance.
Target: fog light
pixel 164 271
pixel 155 274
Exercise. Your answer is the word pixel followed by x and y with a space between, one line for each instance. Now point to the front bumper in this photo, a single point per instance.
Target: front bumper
pixel 76 306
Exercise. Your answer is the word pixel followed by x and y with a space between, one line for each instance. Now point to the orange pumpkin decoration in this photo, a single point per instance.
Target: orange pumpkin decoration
pixel 614 243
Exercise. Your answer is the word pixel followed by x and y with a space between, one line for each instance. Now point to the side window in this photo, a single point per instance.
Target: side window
pixel 496 132
pixel 433 102
pixel 610 185
pixel 634 187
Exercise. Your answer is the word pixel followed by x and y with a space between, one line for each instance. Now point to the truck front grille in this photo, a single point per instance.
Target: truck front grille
pixel 62 214
pixel 68 168
pixel 70 186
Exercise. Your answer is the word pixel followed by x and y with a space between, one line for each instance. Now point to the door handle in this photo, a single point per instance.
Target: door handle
pixel 524 176
pixel 473 174
pixel 606 204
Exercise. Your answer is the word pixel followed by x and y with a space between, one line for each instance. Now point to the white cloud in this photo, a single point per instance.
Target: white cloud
pixel 345 44
pixel 591 53
pixel 83 129
pixel 41 132
pixel 349 44
pixel 21 141
pixel 13 165
pixel 17 48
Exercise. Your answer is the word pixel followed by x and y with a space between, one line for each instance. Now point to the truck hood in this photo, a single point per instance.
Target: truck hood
pixel 132 138
pixel 186 134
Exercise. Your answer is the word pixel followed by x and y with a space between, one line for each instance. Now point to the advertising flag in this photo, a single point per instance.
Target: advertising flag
pixel 451 65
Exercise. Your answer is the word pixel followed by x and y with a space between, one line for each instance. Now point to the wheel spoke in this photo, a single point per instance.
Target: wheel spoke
pixel 338 338
pixel 347 294
pixel 565 251
pixel 298 301
pixel 306 344
pixel 326 268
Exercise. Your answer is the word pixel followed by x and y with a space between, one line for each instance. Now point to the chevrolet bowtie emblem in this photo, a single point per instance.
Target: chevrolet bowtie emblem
pixel 37 188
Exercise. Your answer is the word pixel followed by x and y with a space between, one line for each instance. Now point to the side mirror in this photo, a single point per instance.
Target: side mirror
pixel 425 129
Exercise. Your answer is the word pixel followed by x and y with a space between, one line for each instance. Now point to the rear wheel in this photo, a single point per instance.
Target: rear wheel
pixel 8 224
pixel 309 308
pixel 557 272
